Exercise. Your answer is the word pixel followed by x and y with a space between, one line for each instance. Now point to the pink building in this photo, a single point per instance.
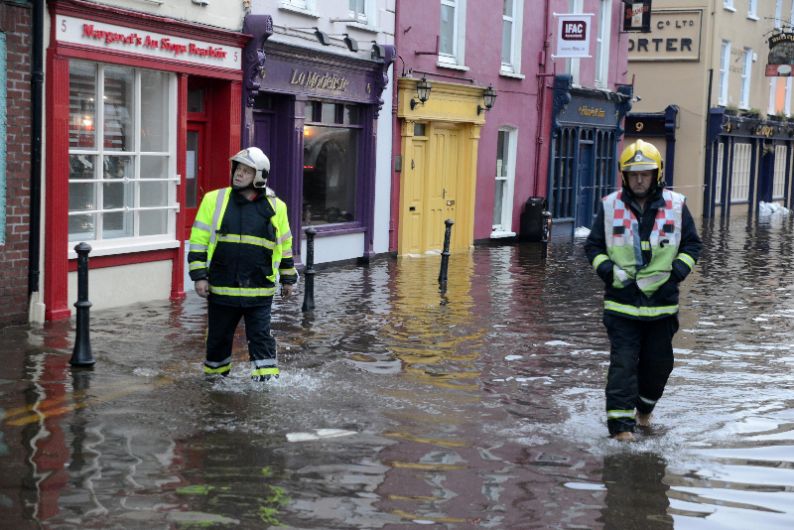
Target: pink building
pixel 551 133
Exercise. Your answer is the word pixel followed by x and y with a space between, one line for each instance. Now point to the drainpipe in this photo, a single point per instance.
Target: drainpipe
pixel 37 81
pixel 542 75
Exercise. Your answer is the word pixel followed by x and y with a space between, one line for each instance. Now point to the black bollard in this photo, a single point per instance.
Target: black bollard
pixel 308 289
pixel 442 274
pixel 546 232
pixel 81 355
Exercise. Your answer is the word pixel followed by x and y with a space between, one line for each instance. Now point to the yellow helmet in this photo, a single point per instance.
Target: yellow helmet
pixel 642 156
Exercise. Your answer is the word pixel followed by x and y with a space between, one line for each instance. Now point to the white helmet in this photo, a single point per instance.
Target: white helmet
pixel 255 158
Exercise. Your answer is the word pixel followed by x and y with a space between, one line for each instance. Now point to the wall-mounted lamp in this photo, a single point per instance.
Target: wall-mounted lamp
pixel 323 37
pixel 423 88
pixel 351 43
pixel 488 98
pixel 378 51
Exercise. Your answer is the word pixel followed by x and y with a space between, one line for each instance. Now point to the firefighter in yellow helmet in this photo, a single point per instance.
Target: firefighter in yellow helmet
pixel 240 248
pixel 643 243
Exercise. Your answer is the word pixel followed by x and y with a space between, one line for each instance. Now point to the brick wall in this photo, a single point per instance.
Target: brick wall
pixel 16 23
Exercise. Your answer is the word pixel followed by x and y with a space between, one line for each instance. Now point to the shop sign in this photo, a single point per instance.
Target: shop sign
pixel 573 36
pixel 587 110
pixel 111 37
pixel 674 36
pixel 319 80
pixel 645 126
pixel 637 16
pixel 780 60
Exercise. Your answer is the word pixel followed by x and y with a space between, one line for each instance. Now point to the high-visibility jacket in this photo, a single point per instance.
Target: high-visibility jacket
pixel 242 247
pixel 643 256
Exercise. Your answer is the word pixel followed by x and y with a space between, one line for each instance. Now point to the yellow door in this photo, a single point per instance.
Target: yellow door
pixel 434 175
pixel 414 203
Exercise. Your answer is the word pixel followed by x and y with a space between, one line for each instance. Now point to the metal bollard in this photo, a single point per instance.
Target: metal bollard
pixel 308 272
pixel 442 274
pixel 81 355
pixel 547 220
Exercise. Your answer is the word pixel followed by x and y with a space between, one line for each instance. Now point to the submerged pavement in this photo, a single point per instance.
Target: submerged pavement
pixel 400 407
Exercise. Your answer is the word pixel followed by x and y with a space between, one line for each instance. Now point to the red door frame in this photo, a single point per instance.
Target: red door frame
pixel 227 106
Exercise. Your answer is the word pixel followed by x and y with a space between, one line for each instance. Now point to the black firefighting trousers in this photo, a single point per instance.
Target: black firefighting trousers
pixel 222 322
pixel 640 361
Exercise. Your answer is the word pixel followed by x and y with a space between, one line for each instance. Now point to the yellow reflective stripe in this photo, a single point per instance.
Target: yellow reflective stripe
pixel 221 370
pixel 686 258
pixel 201 226
pixel 243 291
pixel 264 371
pixel 598 260
pixel 196 247
pixel 645 245
pixel 246 239
pixel 617 413
pixel 284 237
pixel 287 253
pixel 197 265
pixel 288 272
pixel 640 311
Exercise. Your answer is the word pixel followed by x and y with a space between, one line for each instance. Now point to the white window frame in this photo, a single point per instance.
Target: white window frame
pixel 728 5
pixel 134 243
pixel 456 59
pixel 725 71
pixel 752 9
pixel 778 23
pixel 740 178
pixel 516 41
pixel 504 228
pixel 747 77
pixel 366 17
pixel 572 66
pixel 305 7
pixel 779 179
pixel 602 44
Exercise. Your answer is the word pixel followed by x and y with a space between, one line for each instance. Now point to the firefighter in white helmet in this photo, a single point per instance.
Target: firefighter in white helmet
pixel 240 249
pixel 643 244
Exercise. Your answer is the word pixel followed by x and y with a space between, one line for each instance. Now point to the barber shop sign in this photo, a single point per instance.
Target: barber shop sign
pixel 573 36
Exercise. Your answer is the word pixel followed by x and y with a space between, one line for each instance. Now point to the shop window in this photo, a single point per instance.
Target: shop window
pixel 779 182
pixel 330 163
pixel 121 154
pixel 740 179
pixel 602 44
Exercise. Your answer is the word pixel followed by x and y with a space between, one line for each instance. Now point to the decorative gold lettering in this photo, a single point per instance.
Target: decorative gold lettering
pixel 592 112
pixel 319 80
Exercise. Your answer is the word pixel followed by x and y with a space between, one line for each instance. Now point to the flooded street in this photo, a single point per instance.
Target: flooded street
pixel 401 408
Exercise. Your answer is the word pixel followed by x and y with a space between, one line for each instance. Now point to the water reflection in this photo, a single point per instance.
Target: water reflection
pixel 399 407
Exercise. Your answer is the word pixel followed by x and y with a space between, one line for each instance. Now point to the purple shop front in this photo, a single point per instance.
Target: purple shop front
pixel 314 115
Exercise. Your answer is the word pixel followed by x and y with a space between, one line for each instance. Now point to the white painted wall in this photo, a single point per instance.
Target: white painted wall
pixel 383 154
pixel 336 248
pixel 124 285
pixel 225 14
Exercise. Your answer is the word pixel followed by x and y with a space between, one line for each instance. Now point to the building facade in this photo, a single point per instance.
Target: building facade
pixel 478 162
pixel 146 127
pixel 706 102
pixel 317 77
pixel 15 159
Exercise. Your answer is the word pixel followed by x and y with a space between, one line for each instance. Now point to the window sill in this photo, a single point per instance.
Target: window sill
pixel 363 27
pixel 335 230
pixel 128 248
pixel 754 18
pixel 299 11
pixel 450 66
pixel 729 8
pixel 500 234
pixel 512 75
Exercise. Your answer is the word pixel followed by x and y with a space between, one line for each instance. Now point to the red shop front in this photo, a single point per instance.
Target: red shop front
pixel 143 113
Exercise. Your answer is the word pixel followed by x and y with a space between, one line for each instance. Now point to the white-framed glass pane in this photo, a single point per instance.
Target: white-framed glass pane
pixel 118 93
pixel 82 104
pixel 725 58
pixel 503 184
pixel 82 227
pixel 154 167
pixel 752 8
pixel 154 115
pixel 448 33
pixel 153 222
pixel 728 3
pixel 507 41
pixel 116 225
pixel 740 179
pixel 779 181
pixel 746 77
